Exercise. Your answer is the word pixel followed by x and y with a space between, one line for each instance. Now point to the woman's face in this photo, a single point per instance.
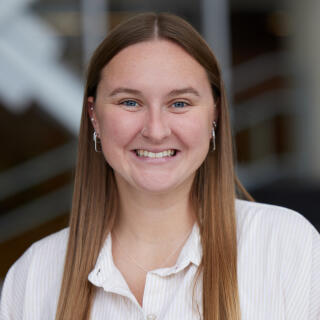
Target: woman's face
pixel 153 113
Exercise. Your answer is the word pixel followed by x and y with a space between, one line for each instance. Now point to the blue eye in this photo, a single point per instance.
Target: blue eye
pixel 130 103
pixel 179 104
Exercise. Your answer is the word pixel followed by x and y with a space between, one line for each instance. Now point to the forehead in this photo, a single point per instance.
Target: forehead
pixel 159 62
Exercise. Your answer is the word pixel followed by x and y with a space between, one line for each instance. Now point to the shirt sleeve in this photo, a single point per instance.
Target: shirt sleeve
pixel 14 288
pixel 315 277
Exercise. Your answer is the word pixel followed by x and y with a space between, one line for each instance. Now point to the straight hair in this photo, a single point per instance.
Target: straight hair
pixel 95 199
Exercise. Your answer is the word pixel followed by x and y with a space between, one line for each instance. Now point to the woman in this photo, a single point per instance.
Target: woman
pixel 156 231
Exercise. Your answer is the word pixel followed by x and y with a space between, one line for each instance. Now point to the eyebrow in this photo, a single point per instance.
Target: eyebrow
pixel 124 90
pixel 177 92
pixel 174 92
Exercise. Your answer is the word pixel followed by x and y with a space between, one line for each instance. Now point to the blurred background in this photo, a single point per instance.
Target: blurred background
pixel 269 51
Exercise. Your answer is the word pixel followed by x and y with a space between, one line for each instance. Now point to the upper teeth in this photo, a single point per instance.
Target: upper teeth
pixel 145 153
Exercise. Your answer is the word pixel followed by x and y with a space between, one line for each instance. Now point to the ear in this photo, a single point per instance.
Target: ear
pixel 216 109
pixel 92 114
pixel 214 117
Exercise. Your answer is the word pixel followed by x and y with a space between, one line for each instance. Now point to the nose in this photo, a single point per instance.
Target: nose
pixel 156 127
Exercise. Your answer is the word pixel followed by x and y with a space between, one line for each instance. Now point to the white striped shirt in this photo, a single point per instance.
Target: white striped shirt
pixel 278 274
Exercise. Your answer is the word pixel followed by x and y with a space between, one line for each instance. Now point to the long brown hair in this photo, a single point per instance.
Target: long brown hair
pixel 95 197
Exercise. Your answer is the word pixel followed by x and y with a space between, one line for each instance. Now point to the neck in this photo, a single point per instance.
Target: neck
pixel 153 219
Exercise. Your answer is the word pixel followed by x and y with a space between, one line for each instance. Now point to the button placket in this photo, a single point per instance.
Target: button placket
pixel 150 291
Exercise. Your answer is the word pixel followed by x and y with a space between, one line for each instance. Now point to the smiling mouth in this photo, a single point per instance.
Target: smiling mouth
pixel 162 154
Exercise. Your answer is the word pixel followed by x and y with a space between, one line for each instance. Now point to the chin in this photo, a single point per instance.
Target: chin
pixel 161 187
pixel 156 189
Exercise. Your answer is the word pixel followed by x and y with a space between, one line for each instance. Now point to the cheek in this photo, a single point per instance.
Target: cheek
pixel 116 130
pixel 195 131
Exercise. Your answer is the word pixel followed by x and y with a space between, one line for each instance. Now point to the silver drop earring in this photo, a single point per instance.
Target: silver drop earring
pixel 97 143
pixel 96 139
pixel 214 126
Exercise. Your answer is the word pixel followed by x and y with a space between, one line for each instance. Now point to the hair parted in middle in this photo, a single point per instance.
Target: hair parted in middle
pixel 95 197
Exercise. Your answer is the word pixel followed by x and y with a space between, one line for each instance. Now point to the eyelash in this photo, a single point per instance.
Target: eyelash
pixel 184 102
pixel 130 106
pixel 129 100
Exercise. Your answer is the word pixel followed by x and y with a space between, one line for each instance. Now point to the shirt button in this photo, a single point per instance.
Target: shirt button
pixel 151 316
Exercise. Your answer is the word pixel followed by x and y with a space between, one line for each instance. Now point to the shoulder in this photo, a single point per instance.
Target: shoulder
pixel 28 281
pixel 281 248
pixel 50 249
pixel 44 252
pixel 266 216
pixel 275 228
pixel 52 246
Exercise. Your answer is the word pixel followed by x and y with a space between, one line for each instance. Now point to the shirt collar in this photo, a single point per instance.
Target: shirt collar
pixel 191 253
pixel 105 274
